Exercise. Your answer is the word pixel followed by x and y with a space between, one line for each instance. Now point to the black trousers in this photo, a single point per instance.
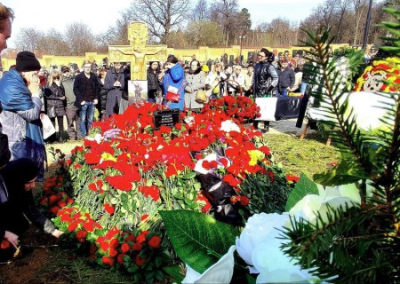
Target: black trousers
pixel 113 101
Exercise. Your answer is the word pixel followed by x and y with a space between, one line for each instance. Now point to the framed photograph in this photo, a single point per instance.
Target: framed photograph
pixel 137 89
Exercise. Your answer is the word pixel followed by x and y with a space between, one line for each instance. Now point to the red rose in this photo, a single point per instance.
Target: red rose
pixel 155 242
pixel 113 252
pixel 72 227
pixel 81 236
pixel 142 237
pixel 120 258
pixel 108 260
pixel 137 247
pixel 244 200
pixel 139 261
pixel 125 248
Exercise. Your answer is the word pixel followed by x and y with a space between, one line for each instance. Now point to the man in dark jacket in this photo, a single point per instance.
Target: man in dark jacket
pixel 286 79
pixel 114 83
pixel 86 89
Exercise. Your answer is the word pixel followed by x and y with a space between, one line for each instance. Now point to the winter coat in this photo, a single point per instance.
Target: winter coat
pixel 152 84
pixel 175 77
pixel 53 95
pixel 68 84
pixel 20 119
pixel 111 77
pixel 103 97
pixel 79 87
pixel 286 78
pixel 194 82
pixel 265 76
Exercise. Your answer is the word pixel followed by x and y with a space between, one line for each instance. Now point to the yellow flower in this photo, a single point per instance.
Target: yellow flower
pixel 108 157
pixel 255 156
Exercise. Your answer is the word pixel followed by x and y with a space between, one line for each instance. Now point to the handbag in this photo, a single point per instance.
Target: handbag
pixel 51 112
pixel 173 93
pixel 201 96
pixel 48 127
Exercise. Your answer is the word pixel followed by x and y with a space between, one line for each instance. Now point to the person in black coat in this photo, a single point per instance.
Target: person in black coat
pixel 286 79
pixel 152 81
pixel 17 206
pixel 55 104
pixel 101 106
pixel 86 90
pixel 114 84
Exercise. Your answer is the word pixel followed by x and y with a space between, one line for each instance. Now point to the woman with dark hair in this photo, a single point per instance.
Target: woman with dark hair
pixel 173 83
pixel 152 81
pixel 195 81
pixel 17 206
pixel 55 104
pixel 103 93
pixel 265 79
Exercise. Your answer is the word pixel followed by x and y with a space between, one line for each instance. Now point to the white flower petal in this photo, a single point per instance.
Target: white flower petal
pixel 220 272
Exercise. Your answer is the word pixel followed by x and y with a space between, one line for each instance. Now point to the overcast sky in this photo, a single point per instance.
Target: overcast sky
pixel 101 14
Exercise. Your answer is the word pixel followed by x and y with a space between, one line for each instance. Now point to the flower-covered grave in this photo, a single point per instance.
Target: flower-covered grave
pixel 107 196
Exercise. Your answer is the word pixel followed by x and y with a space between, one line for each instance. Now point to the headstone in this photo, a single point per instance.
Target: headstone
pixel 168 117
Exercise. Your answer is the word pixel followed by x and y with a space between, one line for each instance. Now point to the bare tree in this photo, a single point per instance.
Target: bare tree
pixel 225 13
pixel 53 43
pixel 203 33
pixel 80 38
pixel 359 7
pixel 200 11
pixel 161 16
pixel 29 39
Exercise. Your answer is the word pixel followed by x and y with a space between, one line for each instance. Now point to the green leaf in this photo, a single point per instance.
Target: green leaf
pixel 196 237
pixel 175 272
pixel 189 175
pixel 303 187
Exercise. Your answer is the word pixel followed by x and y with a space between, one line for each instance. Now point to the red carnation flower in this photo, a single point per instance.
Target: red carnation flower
pixel 77 166
pixel 108 260
pixel 104 246
pixel 137 247
pixel 113 252
pixel 120 258
pixel 72 227
pixel 81 236
pixel 142 237
pixel 244 200
pixel 292 178
pixel 109 208
pixel 155 242
pixel 125 248
pixel 144 218
pixel 139 260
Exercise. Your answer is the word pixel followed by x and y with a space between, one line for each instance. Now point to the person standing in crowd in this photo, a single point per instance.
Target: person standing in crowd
pixel 67 82
pixel 286 79
pixel 239 80
pixel 86 90
pixel 55 104
pixel 249 79
pixel 215 81
pixel 20 89
pixel 101 106
pixel 114 84
pixel 152 81
pixel 173 82
pixel 125 90
pixel 17 179
pixel 195 80
pixel 265 79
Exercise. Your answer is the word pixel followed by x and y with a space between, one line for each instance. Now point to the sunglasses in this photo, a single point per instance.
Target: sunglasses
pixel 56 78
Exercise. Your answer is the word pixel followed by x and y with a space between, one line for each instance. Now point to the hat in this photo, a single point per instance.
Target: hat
pixel 205 68
pixel 26 61
pixel 65 69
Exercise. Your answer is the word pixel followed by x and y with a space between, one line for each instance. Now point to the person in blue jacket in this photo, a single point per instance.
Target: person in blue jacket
pixel 174 82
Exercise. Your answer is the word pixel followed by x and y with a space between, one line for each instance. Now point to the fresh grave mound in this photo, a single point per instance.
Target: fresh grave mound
pixel 108 195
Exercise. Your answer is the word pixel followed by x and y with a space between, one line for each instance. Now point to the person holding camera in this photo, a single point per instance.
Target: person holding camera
pixel 215 82
pixel 20 99
pixel 114 84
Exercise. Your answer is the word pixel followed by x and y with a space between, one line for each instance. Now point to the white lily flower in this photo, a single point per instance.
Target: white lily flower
pixel 229 125
pixel 220 272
